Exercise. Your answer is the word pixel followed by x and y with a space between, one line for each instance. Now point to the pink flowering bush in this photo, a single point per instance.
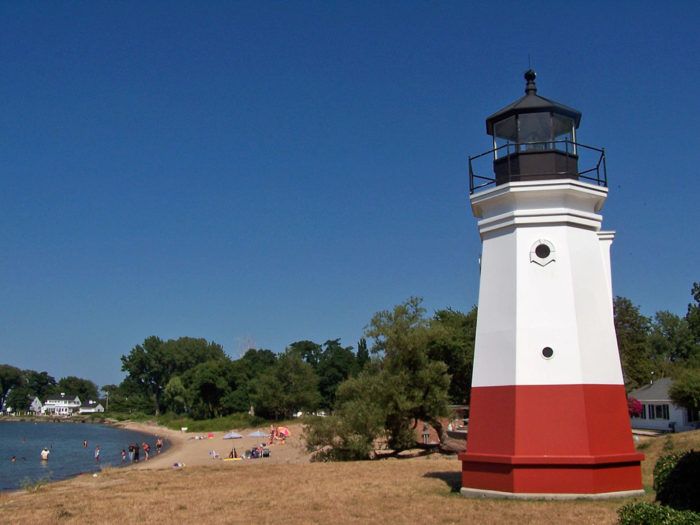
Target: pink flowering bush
pixel 634 407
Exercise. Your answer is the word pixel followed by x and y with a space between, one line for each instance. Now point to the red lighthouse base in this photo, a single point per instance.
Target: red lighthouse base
pixel 550 441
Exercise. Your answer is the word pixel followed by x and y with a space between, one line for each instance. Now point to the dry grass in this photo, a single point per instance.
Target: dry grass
pixel 420 490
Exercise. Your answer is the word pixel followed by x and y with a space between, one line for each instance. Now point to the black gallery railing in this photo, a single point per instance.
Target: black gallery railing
pixel 597 174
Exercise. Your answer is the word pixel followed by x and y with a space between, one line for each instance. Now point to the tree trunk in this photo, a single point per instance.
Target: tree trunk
pixel 156 404
pixel 441 431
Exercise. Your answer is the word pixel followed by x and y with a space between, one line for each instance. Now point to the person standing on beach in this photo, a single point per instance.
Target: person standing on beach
pixel 123 456
pixel 97 454
pixel 159 444
pixel 136 453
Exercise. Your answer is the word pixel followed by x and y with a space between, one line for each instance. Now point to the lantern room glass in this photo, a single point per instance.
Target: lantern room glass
pixel 528 132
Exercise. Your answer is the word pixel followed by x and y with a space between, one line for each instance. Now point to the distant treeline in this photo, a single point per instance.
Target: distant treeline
pixel 194 377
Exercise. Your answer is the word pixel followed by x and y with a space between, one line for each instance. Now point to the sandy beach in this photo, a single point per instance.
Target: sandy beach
pixel 186 449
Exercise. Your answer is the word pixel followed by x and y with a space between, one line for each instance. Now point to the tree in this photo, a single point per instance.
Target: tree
pixel 20 397
pixel 288 386
pixel 309 351
pixel 207 384
pixel 85 389
pixel 130 397
pixel 40 384
pixel 685 390
pixel 452 336
pixel 416 385
pixel 244 372
pixel 672 341
pixel 391 394
pixel 10 377
pixel 351 432
pixel 335 365
pixel 175 396
pixel 362 353
pixel 693 314
pixel 632 329
pixel 152 364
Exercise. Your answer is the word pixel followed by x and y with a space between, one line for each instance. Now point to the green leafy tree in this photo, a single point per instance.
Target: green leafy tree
pixel 335 365
pixel 416 385
pixel 685 390
pixel 693 314
pixel 362 354
pixel 391 394
pixel 207 384
pixel 288 386
pixel 175 396
pixel 633 329
pixel 244 372
pixel 358 422
pixel 85 389
pixel 309 351
pixel 452 336
pixel 40 384
pixel 671 340
pixel 10 377
pixel 152 364
pixel 129 397
pixel 20 398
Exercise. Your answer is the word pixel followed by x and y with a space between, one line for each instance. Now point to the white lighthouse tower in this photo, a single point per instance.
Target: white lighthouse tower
pixel 548 413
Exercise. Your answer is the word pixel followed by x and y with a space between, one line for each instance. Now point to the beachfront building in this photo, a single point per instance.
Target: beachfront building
pixel 62 405
pixel 36 405
pixel 91 407
pixel 659 412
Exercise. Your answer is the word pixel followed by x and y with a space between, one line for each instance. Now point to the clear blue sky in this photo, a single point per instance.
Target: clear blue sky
pixel 271 172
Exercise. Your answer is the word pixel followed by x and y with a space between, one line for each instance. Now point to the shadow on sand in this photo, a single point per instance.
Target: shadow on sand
pixel 452 479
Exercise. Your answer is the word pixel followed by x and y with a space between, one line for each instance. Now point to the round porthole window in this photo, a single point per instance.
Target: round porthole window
pixel 547 352
pixel 542 251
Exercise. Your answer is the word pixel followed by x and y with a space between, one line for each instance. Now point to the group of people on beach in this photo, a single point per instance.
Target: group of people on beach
pixel 135 451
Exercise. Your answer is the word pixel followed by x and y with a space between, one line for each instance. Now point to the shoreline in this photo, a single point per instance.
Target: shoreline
pixel 173 441
pixel 194 449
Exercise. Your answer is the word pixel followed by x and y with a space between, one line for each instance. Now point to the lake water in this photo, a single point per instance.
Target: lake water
pixel 68 457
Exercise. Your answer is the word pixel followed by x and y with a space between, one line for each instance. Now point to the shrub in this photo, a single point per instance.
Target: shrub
pixel 664 466
pixel 676 480
pixel 651 514
pixel 634 407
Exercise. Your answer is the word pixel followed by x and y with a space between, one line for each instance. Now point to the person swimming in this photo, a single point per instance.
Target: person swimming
pixel 45 454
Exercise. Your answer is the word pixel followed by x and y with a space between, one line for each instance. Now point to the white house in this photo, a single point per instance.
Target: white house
pixel 91 407
pixel 36 406
pixel 659 412
pixel 61 406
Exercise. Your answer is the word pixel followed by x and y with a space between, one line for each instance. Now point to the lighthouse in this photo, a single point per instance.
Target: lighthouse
pixel 548 410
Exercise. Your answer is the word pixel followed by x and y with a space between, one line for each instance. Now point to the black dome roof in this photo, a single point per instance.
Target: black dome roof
pixel 532 103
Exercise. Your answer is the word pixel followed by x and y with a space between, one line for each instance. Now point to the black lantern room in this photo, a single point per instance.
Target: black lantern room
pixel 534 138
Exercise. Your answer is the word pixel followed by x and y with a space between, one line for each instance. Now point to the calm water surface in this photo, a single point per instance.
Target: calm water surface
pixel 68 457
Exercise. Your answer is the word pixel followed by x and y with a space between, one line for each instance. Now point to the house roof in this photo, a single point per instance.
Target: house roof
pixel 656 391
pixel 61 398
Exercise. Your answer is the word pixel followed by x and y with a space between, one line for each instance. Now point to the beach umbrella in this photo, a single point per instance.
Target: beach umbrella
pixel 257 434
pixel 233 435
